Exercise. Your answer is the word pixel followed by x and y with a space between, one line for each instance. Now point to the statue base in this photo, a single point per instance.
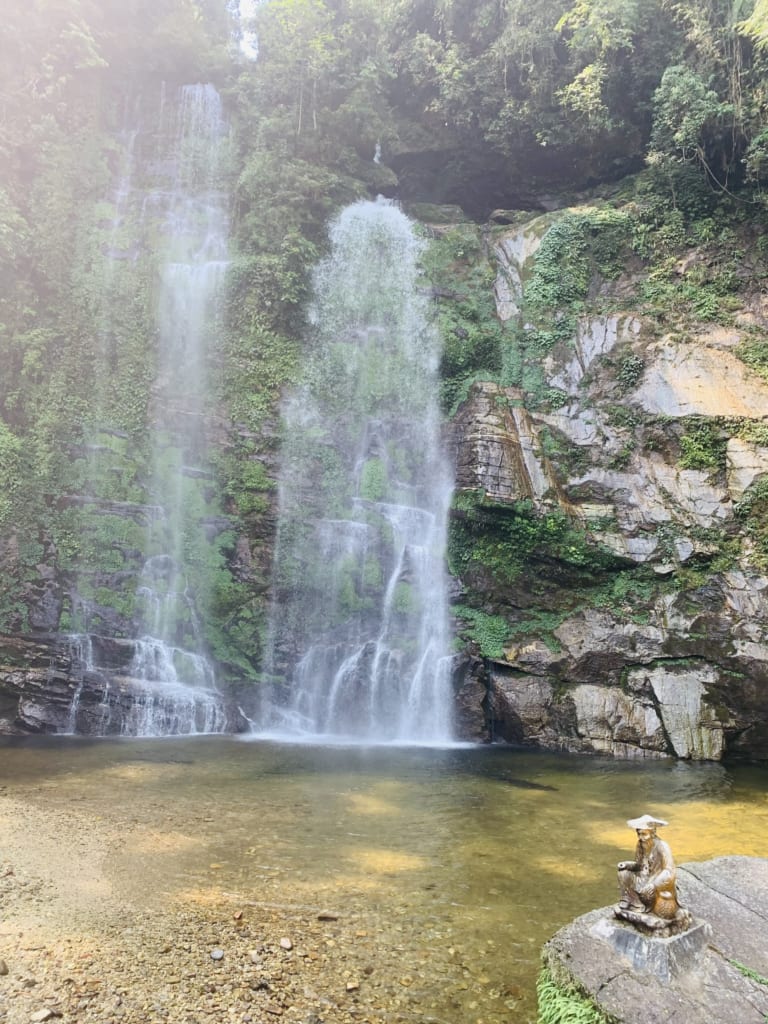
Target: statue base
pixel 652 924
pixel 664 957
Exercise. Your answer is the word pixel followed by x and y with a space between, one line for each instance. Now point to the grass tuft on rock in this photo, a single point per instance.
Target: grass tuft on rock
pixel 564 1005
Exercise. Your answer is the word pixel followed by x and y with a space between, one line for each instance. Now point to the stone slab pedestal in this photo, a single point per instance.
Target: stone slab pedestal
pixel 662 958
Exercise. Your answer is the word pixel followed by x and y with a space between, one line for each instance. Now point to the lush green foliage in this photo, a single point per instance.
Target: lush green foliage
pixel 754 352
pixel 466 99
pixel 489 632
pixel 458 267
pixel 578 249
pixel 503 539
pixel 702 446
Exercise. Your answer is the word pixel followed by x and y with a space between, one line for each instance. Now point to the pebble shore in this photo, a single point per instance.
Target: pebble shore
pixel 81 944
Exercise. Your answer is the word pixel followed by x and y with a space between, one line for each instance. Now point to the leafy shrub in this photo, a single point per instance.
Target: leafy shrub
pixel 754 352
pixel 502 539
pixel 702 446
pixel 629 372
pixel 489 632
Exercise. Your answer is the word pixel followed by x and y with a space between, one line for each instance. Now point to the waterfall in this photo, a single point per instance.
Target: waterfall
pixel 170 218
pixel 169 660
pixel 248 41
pixel 359 643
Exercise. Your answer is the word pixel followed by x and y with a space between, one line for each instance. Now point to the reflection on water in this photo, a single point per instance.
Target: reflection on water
pixel 463 861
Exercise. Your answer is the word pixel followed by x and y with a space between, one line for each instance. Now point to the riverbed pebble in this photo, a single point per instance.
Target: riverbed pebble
pixel 87 938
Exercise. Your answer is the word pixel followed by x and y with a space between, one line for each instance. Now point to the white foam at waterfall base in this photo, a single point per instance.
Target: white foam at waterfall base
pixel 359 641
pixel 166 692
pixel 136 708
pixel 81 661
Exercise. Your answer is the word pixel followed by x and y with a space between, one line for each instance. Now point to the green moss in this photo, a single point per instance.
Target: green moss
pixel 11 472
pixel 504 539
pixel 405 599
pixel 627 594
pixel 754 433
pixel 373 480
pixel 541 625
pixel 754 352
pixel 748 972
pixel 373 575
pixel 461 274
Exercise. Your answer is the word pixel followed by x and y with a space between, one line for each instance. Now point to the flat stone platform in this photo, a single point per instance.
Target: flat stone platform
pixel 687 979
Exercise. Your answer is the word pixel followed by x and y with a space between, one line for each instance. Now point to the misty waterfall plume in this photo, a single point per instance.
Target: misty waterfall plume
pixel 170 659
pixel 359 642
pixel 152 663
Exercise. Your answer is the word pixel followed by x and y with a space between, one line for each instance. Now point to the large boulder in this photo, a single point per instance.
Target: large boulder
pixel 712 973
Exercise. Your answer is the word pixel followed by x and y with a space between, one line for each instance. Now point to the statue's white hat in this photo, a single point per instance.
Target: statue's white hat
pixel 646 821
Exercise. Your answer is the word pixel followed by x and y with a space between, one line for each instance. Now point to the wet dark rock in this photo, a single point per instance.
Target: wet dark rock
pixel 471 692
pixel 634 688
pixel 40 677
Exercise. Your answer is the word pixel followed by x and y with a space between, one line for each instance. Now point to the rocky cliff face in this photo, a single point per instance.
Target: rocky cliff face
pixel 652 450
pixel 606 542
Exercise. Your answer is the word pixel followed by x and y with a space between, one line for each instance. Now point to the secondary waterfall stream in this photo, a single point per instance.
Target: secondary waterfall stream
pixel 169 659
pixel 359 641
pixel 170 215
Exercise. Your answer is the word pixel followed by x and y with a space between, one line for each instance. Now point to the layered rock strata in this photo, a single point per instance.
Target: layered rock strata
pixel 683 670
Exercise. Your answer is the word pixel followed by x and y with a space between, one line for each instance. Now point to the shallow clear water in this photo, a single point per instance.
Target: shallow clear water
pixel 456 864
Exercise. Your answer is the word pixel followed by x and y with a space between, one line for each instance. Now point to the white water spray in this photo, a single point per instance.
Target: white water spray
pixel 359 628
pixel 172 680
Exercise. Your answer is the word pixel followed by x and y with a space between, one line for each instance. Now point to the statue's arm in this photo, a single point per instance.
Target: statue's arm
pixel 628 865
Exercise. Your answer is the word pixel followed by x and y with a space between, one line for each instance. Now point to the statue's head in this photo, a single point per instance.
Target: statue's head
pixel 645 826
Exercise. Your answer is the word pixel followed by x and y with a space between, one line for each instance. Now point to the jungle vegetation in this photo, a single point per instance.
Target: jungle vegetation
pixel 484 104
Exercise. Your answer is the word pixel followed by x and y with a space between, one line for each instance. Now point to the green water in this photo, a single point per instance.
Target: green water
pixel 455 865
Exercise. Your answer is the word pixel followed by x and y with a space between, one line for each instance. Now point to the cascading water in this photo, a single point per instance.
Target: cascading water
pixel 159 680
pixel 248 42
pixel 359 638
pixel 169 661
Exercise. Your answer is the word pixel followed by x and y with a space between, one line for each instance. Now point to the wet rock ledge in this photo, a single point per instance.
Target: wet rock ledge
pixel 718 976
